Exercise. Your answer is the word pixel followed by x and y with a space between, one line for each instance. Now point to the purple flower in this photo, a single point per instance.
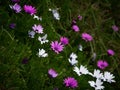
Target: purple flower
pixel 57 47
pixel 70 82
pixel 87 37
pixel 110 52
pixel 52 73
pixel 115 28
pixel 25 61
pixel 79 17
pixel 75 28
pixel 102 64
pixel 16 7
pixel 74 21
pixel 16 1
pixel 29 9
pixel 12 25
pixel 38 28
pixel 64 40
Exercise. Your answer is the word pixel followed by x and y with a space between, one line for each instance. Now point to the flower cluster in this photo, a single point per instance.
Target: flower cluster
pixel 58 46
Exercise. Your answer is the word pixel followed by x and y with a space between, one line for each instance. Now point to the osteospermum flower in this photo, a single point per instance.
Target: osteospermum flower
pixel 97 74
pixel 102 64
pixel 79 17
pixel 73 56
pixel 110 52
pixel 16 7
pixel 12 25
pixel 42 53
pixel 57 47
pixel 115 28
pixel 80 47
pixel 31 34
pixel 74 22
pixel 52 73
pixel 70 82
pixel 75 28
pixel 29 9
pixel 87 37
pixel 43 39
pixel 94 56
pixel 64 40
pixel 108 77
pixel 36 17
pixel 72 60
pixel 97 85
pixel 55 13
pixel 38 28
pixel 81 70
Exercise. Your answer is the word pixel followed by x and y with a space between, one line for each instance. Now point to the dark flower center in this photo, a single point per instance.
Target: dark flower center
pixel 56 48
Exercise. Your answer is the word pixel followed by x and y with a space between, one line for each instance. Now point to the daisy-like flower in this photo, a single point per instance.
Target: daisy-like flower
pixel 72 59
pixel 79 17
pixel 80 47
pixel 31 34
pixel 12 25
pixel 16 7
pixel 87 37
pixel 110 52
pixel 102 64
pixel 74 22
pixel 97 74
pixel 108 77
pixel 64 40
pixel 81 70
pixel 16 1
pixel 75 28
pixel 38 28
pixel 94 56
pixel 70 82
pixel 57 47
pixel 52 73
pixel 29 9
pixel 97 85
pixel 36 17
pixel 73 56
pixel 43 39
pixel 42 53
pixel 115 28
pixel 55 13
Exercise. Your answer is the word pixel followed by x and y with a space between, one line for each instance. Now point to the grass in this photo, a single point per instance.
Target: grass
pixel 15 45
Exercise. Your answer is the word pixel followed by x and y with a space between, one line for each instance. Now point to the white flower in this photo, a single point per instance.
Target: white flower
pixel 31 34
pixel 73 56
pixel 55 13
pixel 42 53
pixel 72 59
pixel 81 70
pixel 80 47
pixel 97 74
pixel 108 77
pixel 38 18
pixel 94 56
pixel 43 39
pixel 97 85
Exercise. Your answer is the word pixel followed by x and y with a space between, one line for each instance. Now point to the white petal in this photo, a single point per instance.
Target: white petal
pixel 76 69
pixel 92 83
